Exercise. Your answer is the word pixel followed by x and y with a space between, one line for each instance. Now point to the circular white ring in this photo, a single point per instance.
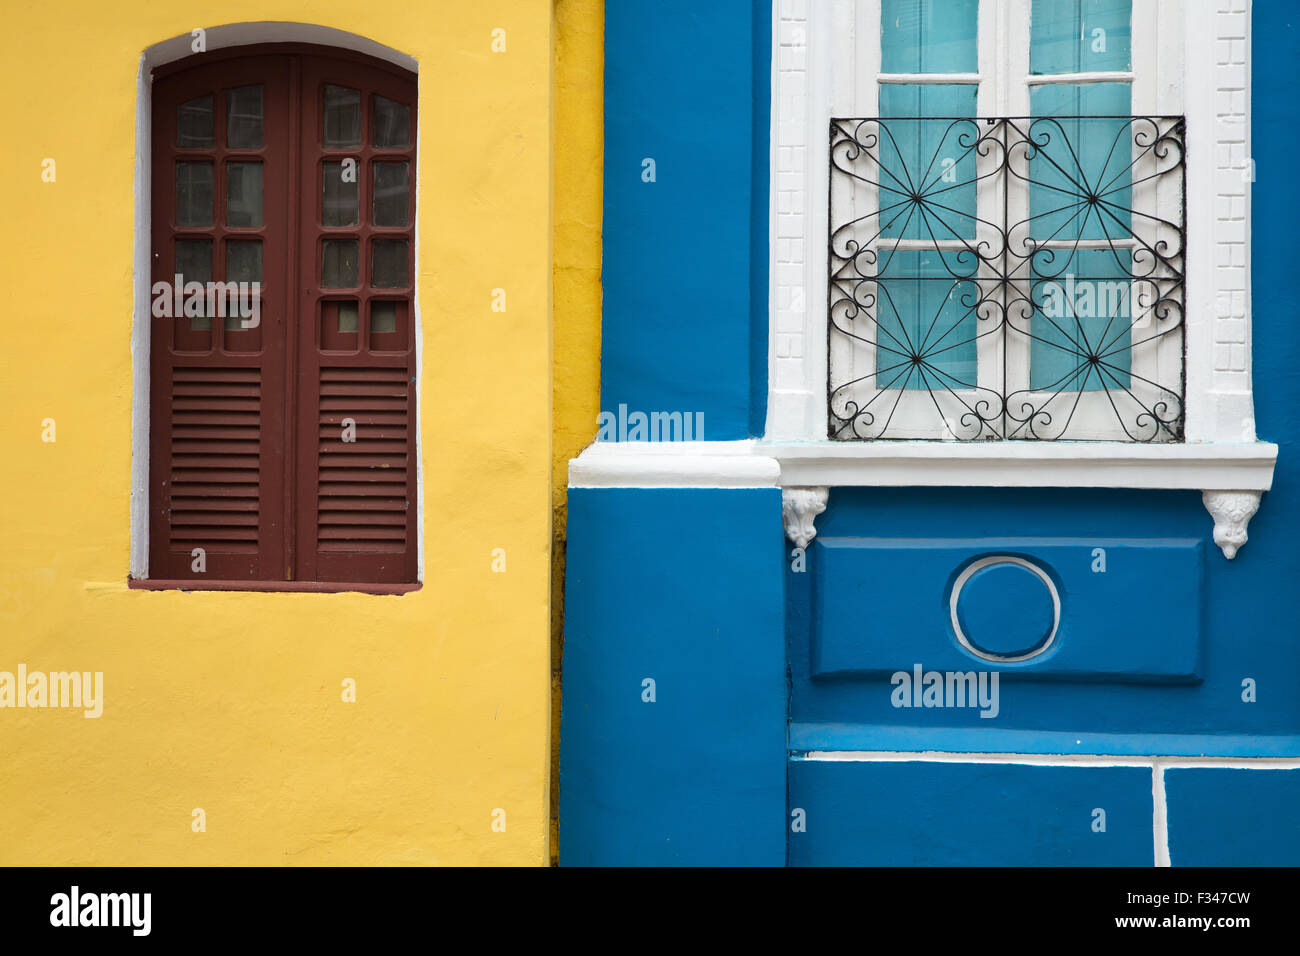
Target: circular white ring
pixel 1003 559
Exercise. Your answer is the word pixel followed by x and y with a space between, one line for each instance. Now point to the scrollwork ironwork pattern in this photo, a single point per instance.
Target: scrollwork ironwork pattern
pixel 1006 278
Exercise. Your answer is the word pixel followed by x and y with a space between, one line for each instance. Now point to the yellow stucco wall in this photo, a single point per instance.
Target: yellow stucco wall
pixel 579 168
pixel 231 702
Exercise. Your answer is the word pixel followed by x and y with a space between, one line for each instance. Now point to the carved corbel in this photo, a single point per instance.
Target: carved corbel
pixel 800 507
pixel 1231 511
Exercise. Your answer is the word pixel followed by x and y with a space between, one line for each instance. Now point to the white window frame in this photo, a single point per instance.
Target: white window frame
pixel 825 55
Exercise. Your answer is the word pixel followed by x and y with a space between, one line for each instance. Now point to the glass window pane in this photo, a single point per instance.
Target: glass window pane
pixel 338 324
pixel 388 264
pixel 1080 36
pixel 339 264
pixel 194 264
pixel 1082 325
pixel 194 123
pixel 929 36
pixel 341 204
pixel 243 194
pixel 244 118
pixel 927 175
pixel 342 117
pixel 1080 173
pixel 392 194
pixel 926 326
pixel 193 194
pixel 243 264
pixel 194 259
pixel 347 317
pixel 244 260
pixel 383 317
pixel 392 124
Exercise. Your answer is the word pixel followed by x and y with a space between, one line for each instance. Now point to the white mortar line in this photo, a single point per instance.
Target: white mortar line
pixel 1062 760
pixel 1159 814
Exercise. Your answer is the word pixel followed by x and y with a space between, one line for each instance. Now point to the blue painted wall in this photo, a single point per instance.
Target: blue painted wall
pixel 685 256
pixel 943 814
pixel 1248 606
pixel 682 587
pixel 690 586
pixel 1227 817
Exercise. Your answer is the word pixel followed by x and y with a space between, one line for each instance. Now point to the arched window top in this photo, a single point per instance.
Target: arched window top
pixel 227 39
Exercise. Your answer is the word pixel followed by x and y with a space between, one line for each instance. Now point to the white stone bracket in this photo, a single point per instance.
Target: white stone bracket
pixel 800 508
pixel 1231 511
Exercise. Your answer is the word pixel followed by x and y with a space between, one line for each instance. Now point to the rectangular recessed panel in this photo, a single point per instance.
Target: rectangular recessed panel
pixel 215 473
pixel 363 457
pixel 868 813
pixel 1129 609
pixel 1224 816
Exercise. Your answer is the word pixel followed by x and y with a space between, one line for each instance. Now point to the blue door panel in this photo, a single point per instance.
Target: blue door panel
pixel 861 813
pixel 673 728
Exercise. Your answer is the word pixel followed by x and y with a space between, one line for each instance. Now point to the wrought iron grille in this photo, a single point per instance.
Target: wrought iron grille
pixel 1006 278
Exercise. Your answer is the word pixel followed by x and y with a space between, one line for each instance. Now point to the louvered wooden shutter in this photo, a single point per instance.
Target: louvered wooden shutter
pixel 249 457
pixel 356 510
pixel 217 469
pixel 364 489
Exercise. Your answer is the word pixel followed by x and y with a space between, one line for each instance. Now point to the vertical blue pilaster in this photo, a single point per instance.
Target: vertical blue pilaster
pixel 686 211
pixel 682 587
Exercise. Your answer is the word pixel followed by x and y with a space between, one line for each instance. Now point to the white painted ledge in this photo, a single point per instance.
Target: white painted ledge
pixel 1245 466
pixel 687 464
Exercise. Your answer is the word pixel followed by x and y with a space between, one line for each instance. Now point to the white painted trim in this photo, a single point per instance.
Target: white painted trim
pixel 954 599
pixel 1160 815
pixel 419 340
pixel 166 51
pixel 1113 76
pixel 140 324
pixel 673 465
pixel 1239 466
pixel 1052 760
pixel 1025 464
pixel 272 31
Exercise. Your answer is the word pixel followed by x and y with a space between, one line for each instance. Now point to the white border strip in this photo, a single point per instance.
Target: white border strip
pixel 673 465
pixel 1159 815
pixel 1052 760
pixel 760 464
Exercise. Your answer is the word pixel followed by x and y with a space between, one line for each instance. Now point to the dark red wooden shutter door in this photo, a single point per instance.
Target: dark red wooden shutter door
pixel 356 459
pixel 220 194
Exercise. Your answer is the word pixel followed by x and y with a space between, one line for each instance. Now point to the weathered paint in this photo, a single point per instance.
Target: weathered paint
pixel 578 147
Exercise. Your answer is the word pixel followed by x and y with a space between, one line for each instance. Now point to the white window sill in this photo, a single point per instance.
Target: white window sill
pixel 1245 466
